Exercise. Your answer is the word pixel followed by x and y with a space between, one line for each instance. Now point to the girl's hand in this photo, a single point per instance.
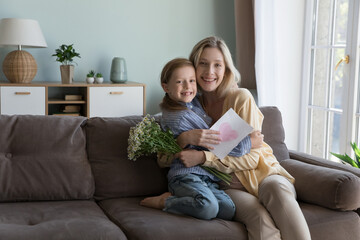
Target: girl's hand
pixel 257 139
pixel 199 137
pixel 191 157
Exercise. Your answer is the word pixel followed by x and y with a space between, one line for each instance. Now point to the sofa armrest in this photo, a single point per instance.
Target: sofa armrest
pixel 310 159
pixel 323 186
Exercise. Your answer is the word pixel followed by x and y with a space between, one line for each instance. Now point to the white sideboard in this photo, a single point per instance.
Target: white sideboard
pixel 96 100
pixel 115 101
pixel 22 100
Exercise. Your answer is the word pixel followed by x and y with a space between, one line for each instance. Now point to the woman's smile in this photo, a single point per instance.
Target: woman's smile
pixel 211 69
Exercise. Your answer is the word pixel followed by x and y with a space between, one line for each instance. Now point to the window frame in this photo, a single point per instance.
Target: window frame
pixel 350 101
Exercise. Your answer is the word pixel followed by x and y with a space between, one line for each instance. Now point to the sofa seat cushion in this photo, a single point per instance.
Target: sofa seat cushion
pixel 70 220
pixel 115 175
pixel 144 223
pixel 331 224
pixel 44 158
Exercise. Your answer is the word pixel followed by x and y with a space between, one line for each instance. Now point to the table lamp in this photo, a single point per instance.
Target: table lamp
pixel 20 66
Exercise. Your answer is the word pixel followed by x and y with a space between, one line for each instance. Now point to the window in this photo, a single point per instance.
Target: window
pixel 330 119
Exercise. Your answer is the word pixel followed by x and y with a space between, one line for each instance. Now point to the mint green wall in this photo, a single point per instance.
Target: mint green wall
pixel 147 33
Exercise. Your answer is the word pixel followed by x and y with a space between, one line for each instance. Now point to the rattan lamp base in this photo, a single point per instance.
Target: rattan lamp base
pixel 19 67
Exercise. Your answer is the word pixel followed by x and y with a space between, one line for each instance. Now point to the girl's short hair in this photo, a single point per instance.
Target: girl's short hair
pixel 169 68
pixel 232 75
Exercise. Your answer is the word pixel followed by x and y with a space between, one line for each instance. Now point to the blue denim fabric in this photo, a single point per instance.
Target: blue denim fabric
pixel 198 196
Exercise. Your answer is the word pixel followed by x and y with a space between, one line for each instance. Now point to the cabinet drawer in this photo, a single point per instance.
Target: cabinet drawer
pixel 22 100
pixel 116 101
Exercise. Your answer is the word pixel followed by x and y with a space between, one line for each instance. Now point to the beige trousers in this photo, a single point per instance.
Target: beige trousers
pixel 274 215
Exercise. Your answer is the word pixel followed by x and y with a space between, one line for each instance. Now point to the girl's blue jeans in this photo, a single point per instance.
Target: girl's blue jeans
pixel 198 196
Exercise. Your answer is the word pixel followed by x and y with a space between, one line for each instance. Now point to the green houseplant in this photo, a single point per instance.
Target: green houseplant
pixel 65 54
pixel 346 158
pixel 90 76
pixel 99 78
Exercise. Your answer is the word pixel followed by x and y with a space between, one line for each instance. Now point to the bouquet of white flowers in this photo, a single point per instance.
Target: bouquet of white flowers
pixel 147 137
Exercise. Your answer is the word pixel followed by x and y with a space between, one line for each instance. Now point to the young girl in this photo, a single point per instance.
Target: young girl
pixel 193 190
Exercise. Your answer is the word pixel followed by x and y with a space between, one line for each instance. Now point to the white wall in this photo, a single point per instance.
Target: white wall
pixel 147 33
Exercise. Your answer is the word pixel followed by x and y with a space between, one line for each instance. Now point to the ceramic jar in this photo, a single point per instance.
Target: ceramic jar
pixel 118 72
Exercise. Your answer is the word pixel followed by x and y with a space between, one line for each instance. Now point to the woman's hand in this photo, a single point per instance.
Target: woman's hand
pixel 191 157
pixel 199 137
pixel 257 139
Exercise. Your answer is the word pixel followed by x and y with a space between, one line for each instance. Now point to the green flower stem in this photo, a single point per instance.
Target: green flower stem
pixel 222 176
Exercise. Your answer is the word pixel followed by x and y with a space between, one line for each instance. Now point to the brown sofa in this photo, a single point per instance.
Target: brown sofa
pixel 69 178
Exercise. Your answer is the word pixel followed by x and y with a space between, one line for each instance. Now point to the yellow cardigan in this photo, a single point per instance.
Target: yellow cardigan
pixel 253 167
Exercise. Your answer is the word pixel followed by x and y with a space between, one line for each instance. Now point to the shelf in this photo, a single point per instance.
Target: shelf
pixel 61 101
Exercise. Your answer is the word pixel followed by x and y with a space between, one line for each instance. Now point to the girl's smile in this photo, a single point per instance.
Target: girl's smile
pixel 182 85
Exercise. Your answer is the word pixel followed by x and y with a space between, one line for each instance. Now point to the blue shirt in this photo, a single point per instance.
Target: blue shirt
pixel 194 117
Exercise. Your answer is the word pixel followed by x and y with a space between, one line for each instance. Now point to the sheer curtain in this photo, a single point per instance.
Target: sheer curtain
pixel 278 27
pixel 268 85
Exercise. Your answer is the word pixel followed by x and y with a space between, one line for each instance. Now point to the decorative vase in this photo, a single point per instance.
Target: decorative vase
pixel 67 73
pixel 118 72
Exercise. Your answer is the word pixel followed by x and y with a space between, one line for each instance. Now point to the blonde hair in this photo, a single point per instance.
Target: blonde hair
pixel 232 75
pixel 166 73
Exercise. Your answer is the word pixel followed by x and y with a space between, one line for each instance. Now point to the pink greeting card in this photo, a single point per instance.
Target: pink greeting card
pixel 232 129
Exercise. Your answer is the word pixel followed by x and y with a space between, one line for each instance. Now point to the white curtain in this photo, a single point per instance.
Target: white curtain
pixel 265 53
pixel 278 59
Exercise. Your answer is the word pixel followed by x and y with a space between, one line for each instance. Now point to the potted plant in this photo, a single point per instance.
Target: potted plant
pixel 347 159
pixel 65 55
pixel 99 78
pixel 90 76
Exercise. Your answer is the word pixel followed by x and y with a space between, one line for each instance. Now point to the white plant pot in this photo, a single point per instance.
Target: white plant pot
pixel 90 80
pixel 99 79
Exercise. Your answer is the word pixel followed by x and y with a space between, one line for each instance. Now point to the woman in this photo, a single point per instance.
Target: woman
pixel 266 201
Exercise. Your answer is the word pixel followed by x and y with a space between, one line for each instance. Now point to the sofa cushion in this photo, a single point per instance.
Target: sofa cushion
pixel 43 158
pixel 331 188
pixel 115 175
pixel 330 224
pixel 144 223
pixel 71 220
pixel 274 133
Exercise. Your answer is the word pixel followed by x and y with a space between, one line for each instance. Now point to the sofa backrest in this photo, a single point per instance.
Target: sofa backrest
pixel 274 133
pixel 43 158
pixel 115 175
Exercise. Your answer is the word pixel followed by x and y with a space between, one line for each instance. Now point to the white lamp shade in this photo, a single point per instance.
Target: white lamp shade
pixel 21 32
